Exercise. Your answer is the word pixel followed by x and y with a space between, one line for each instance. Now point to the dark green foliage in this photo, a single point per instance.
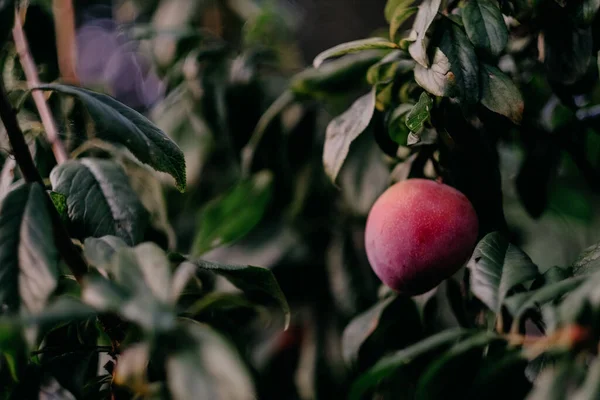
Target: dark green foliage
pixel 223 230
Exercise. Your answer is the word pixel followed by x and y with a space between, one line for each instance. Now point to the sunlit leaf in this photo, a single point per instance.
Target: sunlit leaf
pixel 428 10
pixel 400 16
pixel 419 113
pixel 353 47
pixel 437 79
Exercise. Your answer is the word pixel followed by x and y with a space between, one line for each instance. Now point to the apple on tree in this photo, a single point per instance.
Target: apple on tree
pixel 419 232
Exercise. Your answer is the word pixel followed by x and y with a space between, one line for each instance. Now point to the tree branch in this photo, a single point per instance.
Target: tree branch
pixel 33 80
pixel 66 47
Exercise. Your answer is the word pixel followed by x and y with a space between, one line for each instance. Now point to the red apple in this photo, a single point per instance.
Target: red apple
pixel 419 232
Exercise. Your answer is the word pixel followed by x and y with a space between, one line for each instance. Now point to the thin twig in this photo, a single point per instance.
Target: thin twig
pixel 64 23
pixel 33 80
pixel 17 140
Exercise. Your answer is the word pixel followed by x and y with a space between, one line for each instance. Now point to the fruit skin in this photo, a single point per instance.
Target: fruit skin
pixel 419 232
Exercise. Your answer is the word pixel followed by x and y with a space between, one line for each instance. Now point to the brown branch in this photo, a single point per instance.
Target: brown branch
pixel 66 47
pixel 67 249
pixel 33 80
pixel 17 140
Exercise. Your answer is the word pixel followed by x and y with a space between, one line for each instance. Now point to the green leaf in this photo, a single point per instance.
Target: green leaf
pixel 364 176
pixel 13 347
pixel 588 10
pixel 389 364
pixel 205 366
pixel 337 76
pixel 386 69
pixel 588 261
pixel 142 290
pixel 100 200
pixel 443 308
pixel 377 331
pixel 144 269
pixel 344 129
pixel 28 257
pixel 230 217
pixel 150 192
pixel 419 113
pixel 218 302
pixel 553 275
pixel 499 93
pixel 485 26
pixel 401 15
pixel 464 64
pixel 520 303
pixel 397 128
pixel 119 124
pixel 257 283
pixel 60 203
pixel 384 96
pixel 353 47
pixel 392 5
pixel 453 371
pixel 130 304
pixel 437 79
pixel 577 305
pixel 497 266
pixel 100 251
pixel 181 277
pixel 361 328
pixel 7 19
pixel 64 309
pixel 428 10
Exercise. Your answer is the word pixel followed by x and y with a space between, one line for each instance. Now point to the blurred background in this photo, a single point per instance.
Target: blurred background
pixel 205 71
